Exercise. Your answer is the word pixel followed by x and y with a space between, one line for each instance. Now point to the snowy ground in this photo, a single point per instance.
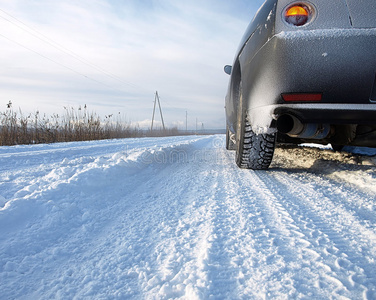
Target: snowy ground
pixel 175 218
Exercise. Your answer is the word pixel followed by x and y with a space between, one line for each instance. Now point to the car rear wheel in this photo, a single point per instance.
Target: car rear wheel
pixel 253 151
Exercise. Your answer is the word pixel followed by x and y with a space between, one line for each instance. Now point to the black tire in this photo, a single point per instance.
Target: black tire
pixel 230 145
pixel 253 151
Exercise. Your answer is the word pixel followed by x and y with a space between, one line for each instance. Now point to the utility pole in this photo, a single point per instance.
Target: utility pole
pixel 152 119
pixel 160 110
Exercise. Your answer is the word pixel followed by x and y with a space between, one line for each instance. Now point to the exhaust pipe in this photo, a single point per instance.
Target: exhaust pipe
pixel 293 127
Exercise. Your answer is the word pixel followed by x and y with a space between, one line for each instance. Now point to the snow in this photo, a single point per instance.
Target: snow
pixel 162 218
pixel 327 33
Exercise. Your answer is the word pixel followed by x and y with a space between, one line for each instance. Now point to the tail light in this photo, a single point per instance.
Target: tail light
pixel 302 97
pixel 298 14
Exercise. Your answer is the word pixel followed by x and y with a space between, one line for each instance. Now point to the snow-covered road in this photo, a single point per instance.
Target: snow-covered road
pixel 161 218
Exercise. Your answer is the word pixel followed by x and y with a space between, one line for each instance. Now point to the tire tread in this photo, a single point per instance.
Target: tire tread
pixel 257 150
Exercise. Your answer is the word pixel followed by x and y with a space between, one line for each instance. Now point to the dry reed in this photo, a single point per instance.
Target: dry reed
pixel 74 125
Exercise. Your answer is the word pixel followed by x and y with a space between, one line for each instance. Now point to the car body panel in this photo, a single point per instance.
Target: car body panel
pixel 333 55
pixel 362 13
pixel 256 35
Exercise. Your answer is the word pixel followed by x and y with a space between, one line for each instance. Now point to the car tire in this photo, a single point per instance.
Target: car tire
pixel 253 151
pixel 230 145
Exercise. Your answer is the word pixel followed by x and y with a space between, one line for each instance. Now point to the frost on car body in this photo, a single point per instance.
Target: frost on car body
pixel 304 71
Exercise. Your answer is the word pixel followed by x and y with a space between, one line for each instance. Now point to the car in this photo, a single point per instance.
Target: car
pixel 305 71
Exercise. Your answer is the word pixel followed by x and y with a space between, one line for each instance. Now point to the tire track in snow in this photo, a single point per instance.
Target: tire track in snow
pixel 258 251
pixel 249 235
pixel 357 198
pixel 181 250
pixel 284 243
pixel 342 247
pixel 271 271
pixel 232 244
pixel 188 252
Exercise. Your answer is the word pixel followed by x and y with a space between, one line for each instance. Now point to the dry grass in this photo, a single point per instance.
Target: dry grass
pixel 74 125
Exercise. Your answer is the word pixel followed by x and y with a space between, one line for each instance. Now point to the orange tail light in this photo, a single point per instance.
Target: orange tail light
pixel 297 15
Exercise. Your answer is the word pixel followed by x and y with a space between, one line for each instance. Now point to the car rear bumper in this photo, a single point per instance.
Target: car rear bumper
pixel 339 63
pixel 263 118
pixel 328 113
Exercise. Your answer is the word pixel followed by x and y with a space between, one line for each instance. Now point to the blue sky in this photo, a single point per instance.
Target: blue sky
pixel 113 56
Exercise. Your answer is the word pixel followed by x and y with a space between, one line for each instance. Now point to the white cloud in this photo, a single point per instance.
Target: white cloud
pixel 178 48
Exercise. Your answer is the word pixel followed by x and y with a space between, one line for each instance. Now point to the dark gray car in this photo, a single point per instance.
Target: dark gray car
pixel 305 71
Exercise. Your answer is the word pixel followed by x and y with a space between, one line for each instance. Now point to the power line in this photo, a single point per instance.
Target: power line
pixel 56 62
pixel 63 49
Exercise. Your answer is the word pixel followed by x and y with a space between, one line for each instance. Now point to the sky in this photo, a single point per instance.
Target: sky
pixel 113 55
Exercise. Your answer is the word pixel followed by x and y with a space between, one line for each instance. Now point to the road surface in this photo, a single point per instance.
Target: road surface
pixel 160 218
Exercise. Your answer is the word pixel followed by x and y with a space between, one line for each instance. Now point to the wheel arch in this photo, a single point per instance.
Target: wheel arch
pixel 234 96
